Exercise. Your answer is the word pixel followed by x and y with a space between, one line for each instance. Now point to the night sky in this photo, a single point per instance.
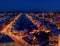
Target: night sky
pixel 29 5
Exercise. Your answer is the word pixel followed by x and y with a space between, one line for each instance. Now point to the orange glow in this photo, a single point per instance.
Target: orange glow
pixel 34 38
pixel 47 31
pixel 7 31
pixel 35 22
pixel 51 20
pixel 18 38
pixel 59 40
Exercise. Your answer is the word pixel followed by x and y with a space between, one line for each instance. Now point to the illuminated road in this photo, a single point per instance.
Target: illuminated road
pixel 8 30
pixel 35 22
pixel 18 39
pixel 38 24
pixel 51 18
